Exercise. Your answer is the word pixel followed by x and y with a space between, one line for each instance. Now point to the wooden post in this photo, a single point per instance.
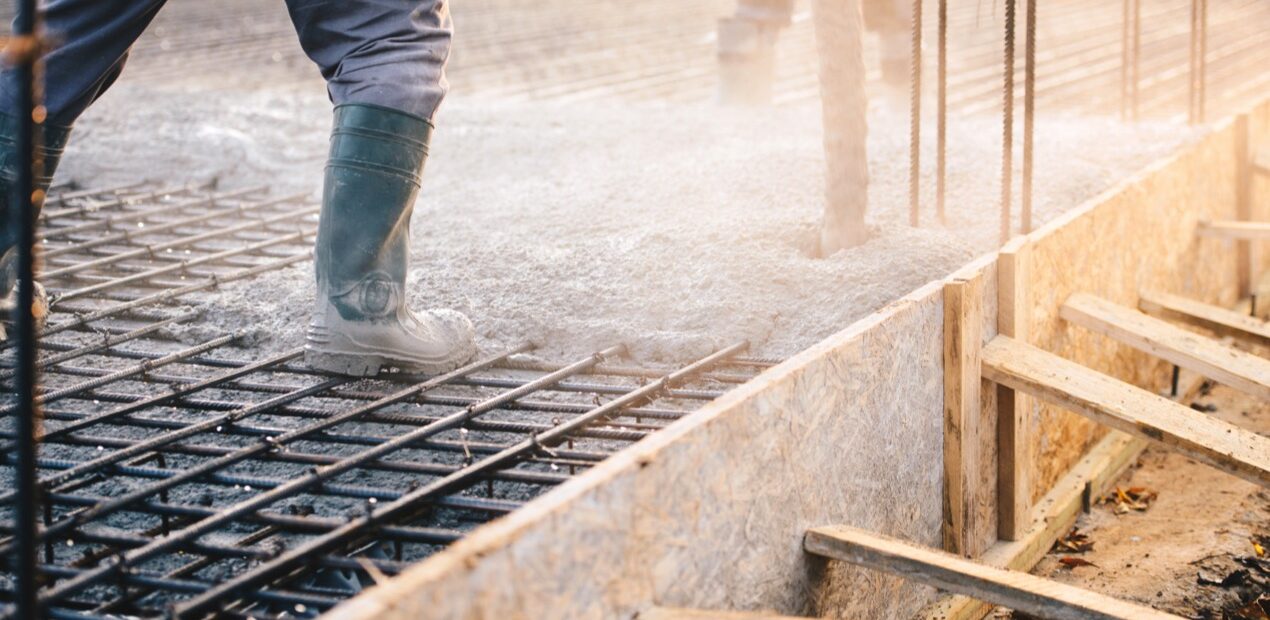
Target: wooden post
pixel 1243 202
pixel 963 339
pixel 1014 409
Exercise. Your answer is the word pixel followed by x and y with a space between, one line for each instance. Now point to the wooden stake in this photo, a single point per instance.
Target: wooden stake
pixel 1243 202
pixel 963 338
pixel 1014 409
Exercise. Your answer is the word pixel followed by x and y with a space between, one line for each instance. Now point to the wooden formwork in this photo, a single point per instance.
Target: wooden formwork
pixel 864 429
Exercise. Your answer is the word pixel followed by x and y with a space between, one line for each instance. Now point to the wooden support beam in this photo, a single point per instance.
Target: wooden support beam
pixel 1014 409
pixel 1016 590
pixel 1055 513
pixel 1242 371
pixel 1261 164
pixel 963 338
pixel 1128 408
pixel 675 613
pixel 1213 318
pixel 1230 229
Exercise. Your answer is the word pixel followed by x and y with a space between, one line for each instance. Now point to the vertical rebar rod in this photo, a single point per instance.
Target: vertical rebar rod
pixel 1136 64
pixel 1007 123
pixel 1202 60
pixel 1029 113
pixel 1192 111
pixel 915 118
pixel 1126 15
pixel 22 219
pixel 941 127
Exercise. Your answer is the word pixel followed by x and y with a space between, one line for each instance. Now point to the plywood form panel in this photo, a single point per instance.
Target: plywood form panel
pixel 710 513
pixel 1139 235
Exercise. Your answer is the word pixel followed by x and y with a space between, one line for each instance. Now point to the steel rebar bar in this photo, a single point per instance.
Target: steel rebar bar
pixel 1007 124
pixel 915 119
pixel 26 38
pixel 941 120
pixel 1029 115
pixel 254 577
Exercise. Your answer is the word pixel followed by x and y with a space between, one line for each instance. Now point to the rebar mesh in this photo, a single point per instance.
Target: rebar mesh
pixel 183 478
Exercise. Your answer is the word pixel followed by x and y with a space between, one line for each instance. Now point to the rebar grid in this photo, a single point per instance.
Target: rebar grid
pixel 183 476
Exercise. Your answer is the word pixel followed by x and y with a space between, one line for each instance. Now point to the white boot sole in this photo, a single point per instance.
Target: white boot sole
pixel 370 364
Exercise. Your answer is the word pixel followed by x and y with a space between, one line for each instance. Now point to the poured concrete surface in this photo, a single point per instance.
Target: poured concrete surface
pixel 678 228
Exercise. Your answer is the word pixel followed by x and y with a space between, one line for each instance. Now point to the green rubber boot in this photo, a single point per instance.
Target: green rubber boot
pixel 361 323
pixel 52 143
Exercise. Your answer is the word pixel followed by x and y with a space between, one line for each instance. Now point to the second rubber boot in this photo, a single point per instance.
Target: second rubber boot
pixel 51 141
pixel 361 323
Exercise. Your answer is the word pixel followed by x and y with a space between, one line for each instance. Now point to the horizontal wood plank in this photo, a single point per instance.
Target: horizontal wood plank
pixel 1243 371
pixel 1261 163
pixel 1230 229
pixel 1127 408
pixel 1016 590
pixel 1214 318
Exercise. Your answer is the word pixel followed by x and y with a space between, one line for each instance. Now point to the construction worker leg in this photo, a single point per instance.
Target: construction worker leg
pixel 91 39
pixel 91 42
pixel 384 62
pixel 891 20
pixel 389 53
pixel 747 50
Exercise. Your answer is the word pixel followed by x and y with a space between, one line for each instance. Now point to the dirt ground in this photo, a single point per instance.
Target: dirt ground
pixel 1193 549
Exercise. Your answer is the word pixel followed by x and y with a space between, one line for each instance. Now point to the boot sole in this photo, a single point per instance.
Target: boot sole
pixel 370 364
pixel 347 364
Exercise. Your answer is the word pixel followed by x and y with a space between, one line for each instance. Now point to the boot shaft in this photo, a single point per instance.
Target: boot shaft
pixel 380 141
pixel 51 141
pixel 372 180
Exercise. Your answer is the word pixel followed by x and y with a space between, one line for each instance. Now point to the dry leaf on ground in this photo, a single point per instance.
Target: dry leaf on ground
pixel 1069 562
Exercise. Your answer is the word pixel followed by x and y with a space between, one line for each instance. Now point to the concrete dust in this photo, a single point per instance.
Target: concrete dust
pixel 674 228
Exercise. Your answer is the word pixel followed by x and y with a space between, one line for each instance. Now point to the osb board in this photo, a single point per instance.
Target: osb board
pixel 1138 235
pixel 710 513
pixel 1259 143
